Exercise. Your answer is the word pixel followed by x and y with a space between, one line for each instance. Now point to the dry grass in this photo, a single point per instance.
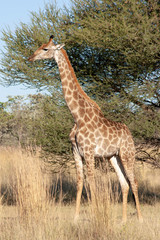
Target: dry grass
pixel 28 212
pixel 21 174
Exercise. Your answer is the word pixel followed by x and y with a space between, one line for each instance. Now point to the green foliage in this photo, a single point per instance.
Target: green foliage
pixel 122 39
pixel 5 118
pixel 51 125
pixel 38 120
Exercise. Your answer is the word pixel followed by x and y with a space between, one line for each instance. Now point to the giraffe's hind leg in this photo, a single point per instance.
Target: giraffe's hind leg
pixel 134 187
pixel 128 164
pixel 123 182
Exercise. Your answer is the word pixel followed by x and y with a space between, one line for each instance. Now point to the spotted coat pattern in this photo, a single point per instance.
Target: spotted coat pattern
pixel 93 135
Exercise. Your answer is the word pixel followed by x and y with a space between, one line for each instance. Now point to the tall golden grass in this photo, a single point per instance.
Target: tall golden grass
pixel 21 172
pixel 28 211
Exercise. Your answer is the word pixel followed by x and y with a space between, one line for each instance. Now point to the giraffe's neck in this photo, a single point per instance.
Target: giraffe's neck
pixel 76 99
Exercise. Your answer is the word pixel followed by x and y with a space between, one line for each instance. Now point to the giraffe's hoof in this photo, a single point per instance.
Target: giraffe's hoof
pixel 76 217
pixel 140 219
pixel 124 220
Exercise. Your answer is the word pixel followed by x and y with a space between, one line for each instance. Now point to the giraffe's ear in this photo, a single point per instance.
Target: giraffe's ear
pixel 59 46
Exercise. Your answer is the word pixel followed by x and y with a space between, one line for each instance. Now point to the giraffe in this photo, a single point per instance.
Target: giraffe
pixel 92 134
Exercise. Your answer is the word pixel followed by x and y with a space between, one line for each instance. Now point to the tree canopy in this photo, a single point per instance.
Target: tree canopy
pixel 113 47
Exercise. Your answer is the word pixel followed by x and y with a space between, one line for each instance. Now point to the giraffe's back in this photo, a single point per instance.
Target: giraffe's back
pixel 105 137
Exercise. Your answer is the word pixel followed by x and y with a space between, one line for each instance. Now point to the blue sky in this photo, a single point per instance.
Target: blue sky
pixel 12 12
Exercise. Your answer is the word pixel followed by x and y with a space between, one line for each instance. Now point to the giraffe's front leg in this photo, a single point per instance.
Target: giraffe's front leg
pixel 79 168
pixel 89 159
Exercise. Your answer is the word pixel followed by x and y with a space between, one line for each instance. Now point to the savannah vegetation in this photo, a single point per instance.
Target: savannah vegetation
pixel 37 204
pixel 114 49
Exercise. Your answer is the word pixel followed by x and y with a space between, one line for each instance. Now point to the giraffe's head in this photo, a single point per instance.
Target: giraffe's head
pixel 46 51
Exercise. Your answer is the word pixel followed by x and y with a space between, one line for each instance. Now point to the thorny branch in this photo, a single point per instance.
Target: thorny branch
pixel 149 153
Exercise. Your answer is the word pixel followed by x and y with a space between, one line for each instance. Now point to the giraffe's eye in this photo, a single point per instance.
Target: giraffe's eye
pixel 45 49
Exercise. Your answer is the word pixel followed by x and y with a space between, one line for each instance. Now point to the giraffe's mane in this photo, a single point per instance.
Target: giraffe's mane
pixel 76 81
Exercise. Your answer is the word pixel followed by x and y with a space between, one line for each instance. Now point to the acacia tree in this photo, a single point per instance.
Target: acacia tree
pixel 114 49
pixel 123 60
